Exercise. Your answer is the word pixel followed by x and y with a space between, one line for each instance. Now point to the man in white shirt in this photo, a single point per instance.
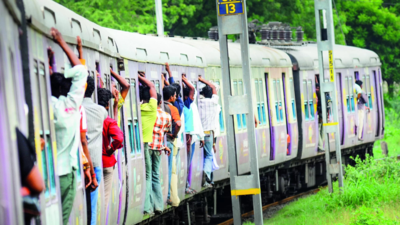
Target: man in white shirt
pixel 67 95
pixel 361 100
pixel 208 110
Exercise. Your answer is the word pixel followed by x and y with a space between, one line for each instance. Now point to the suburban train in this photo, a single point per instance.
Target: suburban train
pixel 283 78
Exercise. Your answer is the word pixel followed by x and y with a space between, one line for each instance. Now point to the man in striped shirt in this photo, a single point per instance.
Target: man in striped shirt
pixel 208 109
pixel 154 198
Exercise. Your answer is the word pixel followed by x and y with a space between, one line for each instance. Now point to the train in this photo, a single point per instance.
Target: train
pixel 283 79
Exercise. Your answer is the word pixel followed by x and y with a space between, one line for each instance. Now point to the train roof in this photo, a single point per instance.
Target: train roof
pixel 45 14
pixel 260 56
pixel 158 50
pixel 345 56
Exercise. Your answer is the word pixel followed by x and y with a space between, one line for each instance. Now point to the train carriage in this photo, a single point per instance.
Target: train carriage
pixel 351 64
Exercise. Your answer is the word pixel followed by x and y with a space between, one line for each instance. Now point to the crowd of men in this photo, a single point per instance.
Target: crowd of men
pixel 85 129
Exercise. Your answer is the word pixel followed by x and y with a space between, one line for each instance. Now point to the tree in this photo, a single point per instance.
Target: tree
pixel 377 28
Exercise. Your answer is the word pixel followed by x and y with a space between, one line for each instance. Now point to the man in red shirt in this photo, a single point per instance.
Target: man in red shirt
pixel 110 131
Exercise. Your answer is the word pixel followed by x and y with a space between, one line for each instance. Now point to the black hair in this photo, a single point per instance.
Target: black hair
pixel 186 92
pixel 168 92
pixel 90 87
pixel 144 93
pixel 207 91
pixel 359 82
pixel 177 89
pixel 103 96
pixel 158 99
pixel 60 85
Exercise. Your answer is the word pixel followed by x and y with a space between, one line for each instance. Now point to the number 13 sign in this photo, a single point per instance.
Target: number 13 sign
pixel 230 7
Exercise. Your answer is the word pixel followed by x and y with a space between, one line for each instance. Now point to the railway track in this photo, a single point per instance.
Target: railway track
pixel 286 200
pixel 283 201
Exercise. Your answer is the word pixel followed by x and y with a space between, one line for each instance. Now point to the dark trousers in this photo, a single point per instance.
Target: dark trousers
pixel 88 205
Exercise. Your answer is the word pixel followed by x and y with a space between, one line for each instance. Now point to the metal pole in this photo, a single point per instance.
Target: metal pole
pixel 232 19
pixel 324 8
pixel 159 16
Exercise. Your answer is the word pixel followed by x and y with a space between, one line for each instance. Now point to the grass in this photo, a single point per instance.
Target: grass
pixel 392 128
pixel 371 196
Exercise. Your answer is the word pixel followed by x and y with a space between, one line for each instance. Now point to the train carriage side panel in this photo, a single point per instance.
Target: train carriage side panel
pixel 136 167
pixel 11 211
pixel 43 116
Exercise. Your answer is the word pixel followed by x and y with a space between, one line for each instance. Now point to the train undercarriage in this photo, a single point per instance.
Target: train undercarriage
pixel 213 206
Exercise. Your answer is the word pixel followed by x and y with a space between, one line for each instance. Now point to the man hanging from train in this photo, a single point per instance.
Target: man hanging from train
pixel 154 199
pixel 361 108
pixel 148 112
pixel 67 94
pixel 208 109
pixel 188 96
pixel 169 94
pixel 111 131
pixel 95 116
pixel 328 100
pixel 173 105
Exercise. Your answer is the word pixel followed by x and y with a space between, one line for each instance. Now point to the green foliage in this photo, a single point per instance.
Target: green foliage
pixel 369 216
pixel 368 187
pixel 372 24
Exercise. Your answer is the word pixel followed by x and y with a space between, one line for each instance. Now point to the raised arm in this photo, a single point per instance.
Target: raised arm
pixel 124 84
pixel 57 37
pixel 171 78
pixel 79 47
pixel 190 86
pixel 165 81
pixel 144 81
pixel 214 89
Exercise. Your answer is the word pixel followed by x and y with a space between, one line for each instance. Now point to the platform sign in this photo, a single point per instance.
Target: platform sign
pixel 331 75
pixel 230 7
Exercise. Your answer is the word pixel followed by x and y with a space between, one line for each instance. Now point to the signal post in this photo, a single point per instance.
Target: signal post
pixel 232 19
pixel 326 42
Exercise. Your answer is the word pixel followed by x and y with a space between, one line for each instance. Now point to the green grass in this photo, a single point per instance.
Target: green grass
pixel 392 128
pixel 371 196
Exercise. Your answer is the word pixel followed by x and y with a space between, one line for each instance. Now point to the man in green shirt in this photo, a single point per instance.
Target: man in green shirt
pixel 148 108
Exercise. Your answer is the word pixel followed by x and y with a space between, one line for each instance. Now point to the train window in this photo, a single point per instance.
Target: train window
pixel 305 94
pixel 221 117
pixel 135 123
pixel 276 100
pixel 261 89
pixel 131 137
pixel 235 90
pixel 368 88
pixel 292 98
pixel 351 93
pixel 78 171
pixel 258 100
pixel 241 92
pixel 157 84
pixel 348 93
pixel 310 99
pixel 280 100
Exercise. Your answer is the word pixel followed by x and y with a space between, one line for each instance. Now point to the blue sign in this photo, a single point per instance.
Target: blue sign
pixel 230 7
